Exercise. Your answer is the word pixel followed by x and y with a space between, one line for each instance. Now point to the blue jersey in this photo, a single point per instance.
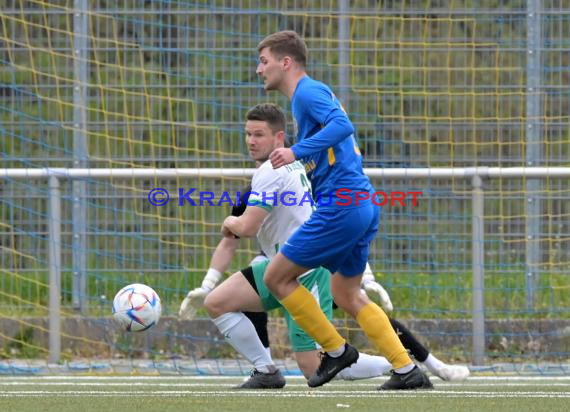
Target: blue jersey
pixel 325 142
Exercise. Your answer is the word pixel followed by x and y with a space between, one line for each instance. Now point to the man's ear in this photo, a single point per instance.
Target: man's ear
pixel 287 62
pixel 280 136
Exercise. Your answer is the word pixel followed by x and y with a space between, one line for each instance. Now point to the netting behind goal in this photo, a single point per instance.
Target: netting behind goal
pixel 166 84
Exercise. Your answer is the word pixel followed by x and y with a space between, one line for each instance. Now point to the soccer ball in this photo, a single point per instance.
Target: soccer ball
pixel 136 307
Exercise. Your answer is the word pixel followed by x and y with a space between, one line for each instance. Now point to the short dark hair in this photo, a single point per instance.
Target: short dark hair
pixel 270 113
pixel 286 43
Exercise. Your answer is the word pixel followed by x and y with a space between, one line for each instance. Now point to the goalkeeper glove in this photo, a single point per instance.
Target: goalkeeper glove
pixel 194 300
pixel 374 290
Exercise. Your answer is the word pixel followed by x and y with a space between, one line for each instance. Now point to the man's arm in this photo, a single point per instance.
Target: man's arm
pixel 219 263
pixel 334 131
pixel 335 127
pixel 224 254
pixel 246 225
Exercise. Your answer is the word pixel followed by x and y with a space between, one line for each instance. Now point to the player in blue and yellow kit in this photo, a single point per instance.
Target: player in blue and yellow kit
pixel 338 233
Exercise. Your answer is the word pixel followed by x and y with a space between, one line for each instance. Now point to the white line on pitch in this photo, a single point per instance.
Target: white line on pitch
pixel 273 394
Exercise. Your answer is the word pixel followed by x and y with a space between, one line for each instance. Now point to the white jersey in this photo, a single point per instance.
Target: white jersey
pixel 286 194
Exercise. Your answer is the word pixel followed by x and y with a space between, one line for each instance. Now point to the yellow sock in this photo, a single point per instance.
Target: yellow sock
pixel 305 310
pixel 377 327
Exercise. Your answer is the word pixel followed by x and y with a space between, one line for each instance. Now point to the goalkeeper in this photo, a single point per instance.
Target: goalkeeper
pixel 245 291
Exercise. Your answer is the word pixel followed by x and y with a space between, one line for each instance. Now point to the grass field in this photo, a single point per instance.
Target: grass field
pixel 183 393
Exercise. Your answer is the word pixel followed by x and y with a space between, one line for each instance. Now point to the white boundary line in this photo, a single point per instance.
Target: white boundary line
pixel 174 386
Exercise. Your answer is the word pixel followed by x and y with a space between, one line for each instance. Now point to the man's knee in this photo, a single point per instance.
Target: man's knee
pixel 214 305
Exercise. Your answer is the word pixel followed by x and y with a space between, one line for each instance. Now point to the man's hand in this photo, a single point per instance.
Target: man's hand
pixel 281 157
pixel 193 301
pixel 375 291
